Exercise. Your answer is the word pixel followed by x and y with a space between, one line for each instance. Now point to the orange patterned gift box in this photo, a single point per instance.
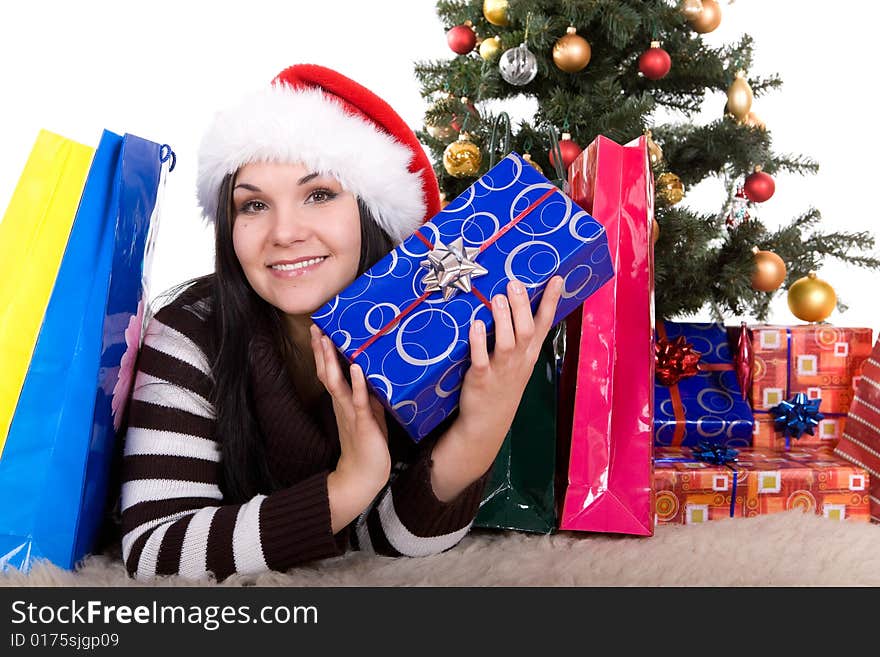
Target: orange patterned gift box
pixel 860 443
pixel 767 481
pixel 821 361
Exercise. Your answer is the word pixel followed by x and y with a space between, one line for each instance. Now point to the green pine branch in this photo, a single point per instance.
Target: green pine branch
pixel 701 260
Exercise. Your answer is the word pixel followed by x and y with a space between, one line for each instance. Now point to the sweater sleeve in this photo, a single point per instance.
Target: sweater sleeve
pixel 406 518
pixel 174 520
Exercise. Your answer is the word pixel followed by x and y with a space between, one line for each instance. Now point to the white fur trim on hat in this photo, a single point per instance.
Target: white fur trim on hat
pixel 282 124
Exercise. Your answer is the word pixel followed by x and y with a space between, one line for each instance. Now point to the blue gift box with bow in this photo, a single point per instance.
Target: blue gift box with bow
pixel 406 320
pixel 708 404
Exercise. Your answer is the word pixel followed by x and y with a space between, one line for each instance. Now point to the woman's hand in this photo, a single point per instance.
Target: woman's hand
pixel 493 386
pixel 364 465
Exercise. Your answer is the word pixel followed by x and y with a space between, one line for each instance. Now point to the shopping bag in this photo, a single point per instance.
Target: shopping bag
pixel 520 492
pixel 33 236
pixel 607 384
pixel 54 470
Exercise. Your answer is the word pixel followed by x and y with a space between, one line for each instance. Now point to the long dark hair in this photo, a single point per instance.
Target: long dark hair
pixel 236 310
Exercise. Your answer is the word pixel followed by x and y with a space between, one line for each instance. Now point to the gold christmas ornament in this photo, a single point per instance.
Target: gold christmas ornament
pixel 655 153
pixel 462 158
pixel 811 299
pixel 571 52
pixel 708 19
pixel 739 98
pixel 495 12
pixel 769 271
pixel 490 48
pixel 528 158
pixel 440 132
pixel 670 189
pixel 691 8
pixel 655 231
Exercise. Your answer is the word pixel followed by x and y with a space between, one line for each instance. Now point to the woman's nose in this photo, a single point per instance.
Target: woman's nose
pixel 290 226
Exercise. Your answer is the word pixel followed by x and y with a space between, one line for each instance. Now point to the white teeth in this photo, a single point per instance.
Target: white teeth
pixel 297 265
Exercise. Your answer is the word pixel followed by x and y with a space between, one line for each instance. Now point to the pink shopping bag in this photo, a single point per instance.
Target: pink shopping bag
pixel 607 383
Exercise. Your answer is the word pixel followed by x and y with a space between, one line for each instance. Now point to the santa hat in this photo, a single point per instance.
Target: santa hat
pixel 331 124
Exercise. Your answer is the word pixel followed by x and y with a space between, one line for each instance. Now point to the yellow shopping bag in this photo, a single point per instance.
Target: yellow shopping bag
pixel 33 236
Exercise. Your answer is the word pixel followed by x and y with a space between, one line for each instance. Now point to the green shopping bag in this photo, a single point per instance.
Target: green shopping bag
pixel 520 492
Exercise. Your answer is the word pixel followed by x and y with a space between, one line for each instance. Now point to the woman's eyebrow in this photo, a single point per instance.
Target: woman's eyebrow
pixel 301 181
pixel 251 188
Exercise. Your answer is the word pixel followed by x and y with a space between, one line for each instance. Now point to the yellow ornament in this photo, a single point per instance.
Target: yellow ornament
pixel 811 299
pixel 769 271
pixel 528 158
pixel 489 48
pixel 462 158
pixel 440 132
pixel 691 8
pixel 655 153
pixel 670 189
pixel 708 19
pixel 739 98
pixel 572 52
pixel 655 231
pixel 495 12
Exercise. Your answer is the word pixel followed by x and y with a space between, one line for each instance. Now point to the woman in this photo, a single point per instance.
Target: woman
pixel 250 447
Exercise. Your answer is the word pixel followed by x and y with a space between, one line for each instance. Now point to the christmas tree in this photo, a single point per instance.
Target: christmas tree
pixel 610 67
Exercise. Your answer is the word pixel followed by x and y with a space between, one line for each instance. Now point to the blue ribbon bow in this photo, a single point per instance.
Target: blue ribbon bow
pixel 712 452
pixel 797 416
pixel 716 454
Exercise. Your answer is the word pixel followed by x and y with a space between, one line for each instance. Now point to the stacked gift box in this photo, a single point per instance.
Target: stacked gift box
pixel 803 372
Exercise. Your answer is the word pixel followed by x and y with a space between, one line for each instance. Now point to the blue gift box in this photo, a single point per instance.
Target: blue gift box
pixel 412 342
pixel 708 405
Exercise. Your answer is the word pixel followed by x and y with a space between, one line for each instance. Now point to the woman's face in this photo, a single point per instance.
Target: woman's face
pixel 296 234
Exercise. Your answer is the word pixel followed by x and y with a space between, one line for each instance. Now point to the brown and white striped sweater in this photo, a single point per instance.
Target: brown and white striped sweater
pixel 174 517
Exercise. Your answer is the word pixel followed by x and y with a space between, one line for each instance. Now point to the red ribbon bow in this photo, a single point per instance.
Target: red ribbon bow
pixel 675 360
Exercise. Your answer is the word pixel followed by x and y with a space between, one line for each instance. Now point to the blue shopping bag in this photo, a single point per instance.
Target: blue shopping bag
pixel 55 465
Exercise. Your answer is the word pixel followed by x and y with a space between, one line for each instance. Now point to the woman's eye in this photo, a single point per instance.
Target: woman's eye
pixel 321 195
pixel 252 206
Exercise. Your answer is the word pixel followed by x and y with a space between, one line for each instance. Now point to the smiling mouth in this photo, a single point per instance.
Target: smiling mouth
pixel 302 264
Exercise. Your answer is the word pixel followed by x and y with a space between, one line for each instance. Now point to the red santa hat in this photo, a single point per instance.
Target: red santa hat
pixel 331 124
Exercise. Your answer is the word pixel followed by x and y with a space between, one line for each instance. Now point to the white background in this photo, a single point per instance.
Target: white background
pixel 160 69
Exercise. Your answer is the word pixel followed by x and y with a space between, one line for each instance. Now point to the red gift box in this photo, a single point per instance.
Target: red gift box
pixel 820 360
pixel 811 479
pixel 860 443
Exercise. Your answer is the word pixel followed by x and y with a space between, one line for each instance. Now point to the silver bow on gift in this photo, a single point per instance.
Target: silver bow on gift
pixel 451 268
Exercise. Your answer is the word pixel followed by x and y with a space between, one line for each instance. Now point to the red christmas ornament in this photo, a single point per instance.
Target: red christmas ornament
pixel 569 150
pixel 655 62
pixel 675 360
pixel 745 360
pixel 461 39
pixel 456 121
pixel 759 186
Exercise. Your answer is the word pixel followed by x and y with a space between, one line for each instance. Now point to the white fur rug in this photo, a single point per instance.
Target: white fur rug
pixel 784 549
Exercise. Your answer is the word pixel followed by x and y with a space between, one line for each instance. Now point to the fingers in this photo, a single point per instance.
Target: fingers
pixel 521 311
pixel 479 351
pixel 360 396
pixel 505 339
pixel 327 366
pixel 547 308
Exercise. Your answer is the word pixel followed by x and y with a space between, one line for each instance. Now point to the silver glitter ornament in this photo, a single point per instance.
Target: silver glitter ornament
pixel 518 66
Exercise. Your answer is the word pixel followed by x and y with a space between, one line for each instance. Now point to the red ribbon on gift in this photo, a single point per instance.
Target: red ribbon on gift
pixel 501 232
pixel 675 394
